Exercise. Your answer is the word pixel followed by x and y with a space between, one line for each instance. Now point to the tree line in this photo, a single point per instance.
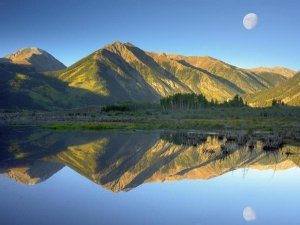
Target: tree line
pixel 195 101
pixel 276 103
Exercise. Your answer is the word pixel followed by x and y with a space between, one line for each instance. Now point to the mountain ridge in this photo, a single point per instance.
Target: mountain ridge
pixel 288 93
pixel 168 73
pixel 39 59
pixel 276 69
pixel 123 72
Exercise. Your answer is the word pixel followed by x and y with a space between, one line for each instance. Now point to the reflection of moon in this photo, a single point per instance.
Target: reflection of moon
pixel 250 21
pixel 249 214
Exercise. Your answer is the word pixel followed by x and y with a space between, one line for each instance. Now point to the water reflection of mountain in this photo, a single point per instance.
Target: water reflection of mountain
pixel 31 172
pixel 124 160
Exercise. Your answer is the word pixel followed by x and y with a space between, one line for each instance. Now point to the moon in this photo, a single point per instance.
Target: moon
pixel 249 214
pixel 250 21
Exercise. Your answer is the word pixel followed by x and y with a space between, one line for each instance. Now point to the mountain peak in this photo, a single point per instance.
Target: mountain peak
pixel 129 44
pixel 119 44
pixel 41 60
pixel 114 44
pixel 25 53
pixel 119 48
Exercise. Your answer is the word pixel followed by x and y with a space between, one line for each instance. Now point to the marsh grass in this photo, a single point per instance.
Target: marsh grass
pixel 283 120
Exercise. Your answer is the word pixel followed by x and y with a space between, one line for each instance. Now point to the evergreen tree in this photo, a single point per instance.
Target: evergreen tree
pixel 194 101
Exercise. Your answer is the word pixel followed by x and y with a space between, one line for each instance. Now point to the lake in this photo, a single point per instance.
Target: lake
pixel 144 177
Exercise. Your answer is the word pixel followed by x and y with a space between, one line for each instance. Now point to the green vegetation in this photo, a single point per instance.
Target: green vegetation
pixel 193 101
pixel 288 92
pixel 121 108
pixel 284 125
pixel 88 126
pixel 281 119
pixel 184 101
pixel 24 89
pixel 276 103
pixel 129 107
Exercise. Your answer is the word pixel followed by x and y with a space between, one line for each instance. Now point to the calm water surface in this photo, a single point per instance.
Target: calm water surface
pixel 122 177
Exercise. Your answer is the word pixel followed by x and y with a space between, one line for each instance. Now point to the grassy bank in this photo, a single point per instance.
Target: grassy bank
pixel 269 124
pixel 265 119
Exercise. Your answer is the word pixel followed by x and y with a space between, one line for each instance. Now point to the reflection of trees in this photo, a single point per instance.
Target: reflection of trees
pixel 184 138
pixel 270 142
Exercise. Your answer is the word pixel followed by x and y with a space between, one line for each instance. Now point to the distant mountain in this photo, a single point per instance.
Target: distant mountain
pixel 288 92
pixel 39 59
pixel 122 72
pixel 282 71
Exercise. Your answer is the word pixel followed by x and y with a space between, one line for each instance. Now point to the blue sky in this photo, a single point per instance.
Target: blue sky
pixel 72 29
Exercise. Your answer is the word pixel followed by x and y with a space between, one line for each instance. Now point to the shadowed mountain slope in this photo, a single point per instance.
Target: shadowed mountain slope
pixel 288 92
pixel 23 88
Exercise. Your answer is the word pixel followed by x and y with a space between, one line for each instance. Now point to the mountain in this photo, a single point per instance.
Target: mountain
pixel 288 92
pixel 121 72
pixel 21 87
pixel 124 71
pixel 39 59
